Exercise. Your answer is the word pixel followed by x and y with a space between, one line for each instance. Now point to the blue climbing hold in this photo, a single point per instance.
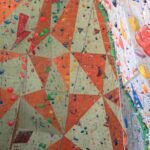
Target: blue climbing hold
pixel 7 22
pixel 1 71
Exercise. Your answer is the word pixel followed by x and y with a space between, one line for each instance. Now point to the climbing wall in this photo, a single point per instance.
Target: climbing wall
pixel 129 21
pixel 59 87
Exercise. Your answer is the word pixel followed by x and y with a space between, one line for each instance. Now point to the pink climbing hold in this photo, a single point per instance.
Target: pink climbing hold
pixel 42 19
pixel 10 90
pixel 143 39
pixel 13 97
pixel 22 75
pixel 10 123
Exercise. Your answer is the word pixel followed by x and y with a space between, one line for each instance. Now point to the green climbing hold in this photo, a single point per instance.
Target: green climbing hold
pixel 49 121
pixel 40 105
pixel 49 39
pixel 41 34
pixel 42 145
pixel 50 97
pixel 46 30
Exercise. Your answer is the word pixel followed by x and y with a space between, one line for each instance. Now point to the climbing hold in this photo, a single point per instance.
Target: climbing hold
pixel 43 19
pixel 1 71
pixel 7 22
pixel 144 71
pixel 114 2
pixel 140 53
pixel 10 89
pixel 13 97
pixel 46 30
pixel 143 39
pixel 123 30
pixel 134 24
pixel 49 40
pixel 16 17
pixel 126 122
pixel 1 102
pixel 10 123
pixel 41 34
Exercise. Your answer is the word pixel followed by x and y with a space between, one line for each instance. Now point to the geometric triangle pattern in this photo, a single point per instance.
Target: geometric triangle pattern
pixel 76 109
pixel 63 144
pixel 58 85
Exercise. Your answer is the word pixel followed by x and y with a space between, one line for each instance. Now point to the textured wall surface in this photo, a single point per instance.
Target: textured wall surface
pixel 129 21
pixel 59 84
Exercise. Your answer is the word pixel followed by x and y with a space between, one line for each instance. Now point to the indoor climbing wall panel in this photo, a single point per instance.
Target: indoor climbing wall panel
pixel 59 88
pixel 129 22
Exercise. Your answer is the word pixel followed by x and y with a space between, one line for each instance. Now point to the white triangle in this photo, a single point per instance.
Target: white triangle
pixel 11 75
pixel 31 82
pixel 50 49
pixel 79 81
pixel 110 81
pixel 83 17
pixel 60 105
pixel 94 42
pixel 9 37
pixel 92 122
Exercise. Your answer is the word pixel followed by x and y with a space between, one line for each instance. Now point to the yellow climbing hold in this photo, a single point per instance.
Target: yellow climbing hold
pixel 123 30
pixel 144 71
pixel 134 24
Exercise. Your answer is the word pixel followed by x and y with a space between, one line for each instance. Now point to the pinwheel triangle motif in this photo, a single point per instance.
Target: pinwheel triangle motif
pixel 51 87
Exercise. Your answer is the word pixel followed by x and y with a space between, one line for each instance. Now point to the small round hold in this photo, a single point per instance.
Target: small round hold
pixel 1 102
pixel 10 90
pixel 2 71
pixel 13 97
pixel 10 123
pixel 15 17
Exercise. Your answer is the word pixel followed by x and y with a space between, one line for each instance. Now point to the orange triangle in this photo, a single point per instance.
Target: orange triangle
pixel 42 66
pixel 63 66
pixel 42 29
pixel 93 65
pixel 112 63
pixel 78 106
pixel 39 101
pixel 63 144
pixel 5 55
pixel 7 8
pixel 5 101
pixel 64 29
pixel 103 27
pixel 115 128
pixel 113 96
